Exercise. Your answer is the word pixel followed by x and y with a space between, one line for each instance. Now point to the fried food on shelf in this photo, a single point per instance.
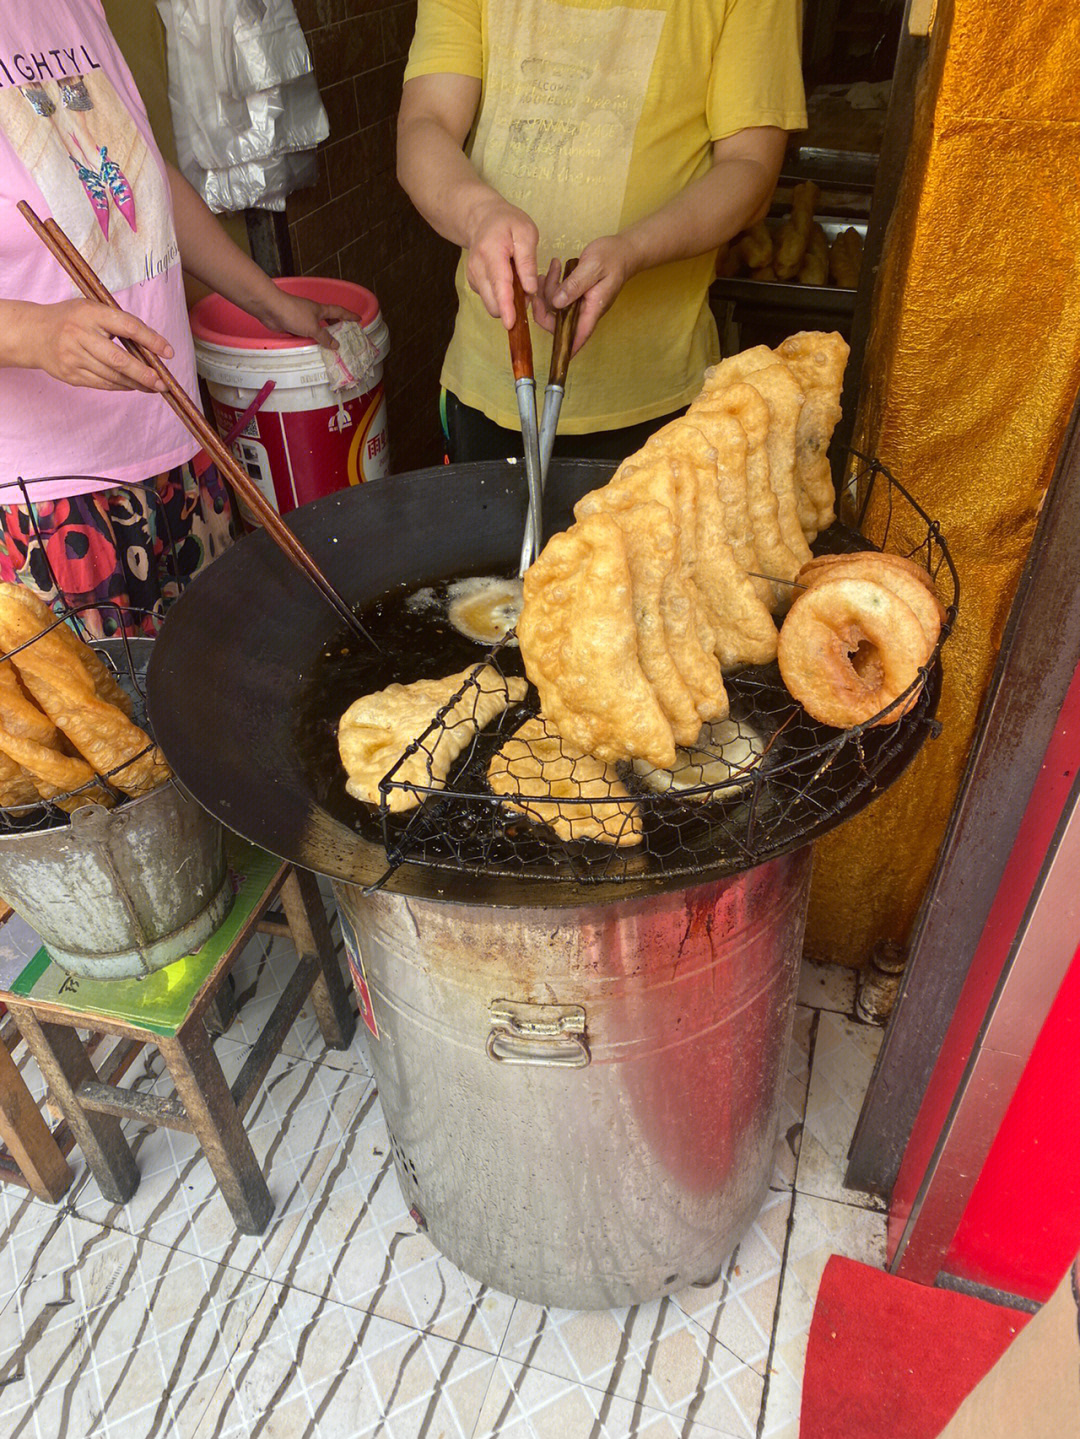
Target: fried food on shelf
pixel 795 232
pixel 814 269
pixel 53 670
pixel 579 644
pixel 756 245
pixel 536 768
pixel 857 636
pixel 845 258
pixel 688 630
pixel 817 360
pixel 377 729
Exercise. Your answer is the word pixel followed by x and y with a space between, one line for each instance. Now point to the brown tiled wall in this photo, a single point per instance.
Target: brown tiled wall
pixel 356 222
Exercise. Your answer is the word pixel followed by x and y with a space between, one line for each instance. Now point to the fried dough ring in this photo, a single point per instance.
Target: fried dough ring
pixel 905 578
pixel 848 649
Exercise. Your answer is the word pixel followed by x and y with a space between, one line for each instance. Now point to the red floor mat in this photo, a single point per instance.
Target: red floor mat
pixel 887 1359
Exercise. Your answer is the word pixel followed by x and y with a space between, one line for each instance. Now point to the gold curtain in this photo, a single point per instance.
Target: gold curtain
pixel 972 370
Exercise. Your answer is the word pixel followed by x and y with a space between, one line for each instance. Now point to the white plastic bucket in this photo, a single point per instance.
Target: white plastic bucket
pixel 303 440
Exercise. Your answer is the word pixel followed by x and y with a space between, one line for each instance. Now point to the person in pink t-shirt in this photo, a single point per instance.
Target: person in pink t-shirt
pixel 104 501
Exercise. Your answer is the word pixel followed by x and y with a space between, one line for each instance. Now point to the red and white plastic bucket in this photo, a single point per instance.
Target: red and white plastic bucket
pixel 300 439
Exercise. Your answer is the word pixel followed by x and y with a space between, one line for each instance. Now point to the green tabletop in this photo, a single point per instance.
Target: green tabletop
pixel 158 1002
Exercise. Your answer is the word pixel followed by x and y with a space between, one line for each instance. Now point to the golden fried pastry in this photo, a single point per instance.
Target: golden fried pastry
pixel 16 784
pixel 19 715
pixel 579 644
pixel 484 608
pixel 53 671
pixel 845 258
pixel 817 360
pixel 848 649
pixel 756 246
pixel 783 399
pixel 377 729
pixel 688 631
pixel 52 773
pixel 795 233
pixel 726 754
pixel 536 767
pixel 903 577
pixel 106 685
pixel 814 269
pixel 652 553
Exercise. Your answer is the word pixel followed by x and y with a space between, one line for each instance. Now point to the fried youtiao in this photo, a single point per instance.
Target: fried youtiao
pixel 106 685
pixel 16 783
pixel 377 729
pixel 53 670
pixel 795 233
pixel 817 360
pixel 579 645
pixel 814 269
pixel 536 767
pixel 771 453
pixel 19 715
pixel 688 631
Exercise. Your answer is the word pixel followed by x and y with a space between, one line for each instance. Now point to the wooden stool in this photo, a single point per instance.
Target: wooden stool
pixel 170 1009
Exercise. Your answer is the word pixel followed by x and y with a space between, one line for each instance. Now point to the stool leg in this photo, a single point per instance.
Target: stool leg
pixel 208 1102
pixel 28 1138
pixel 306 914
pixel 65 1064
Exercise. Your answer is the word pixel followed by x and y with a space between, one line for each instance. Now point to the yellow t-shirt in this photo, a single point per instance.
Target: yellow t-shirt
pixel 591 116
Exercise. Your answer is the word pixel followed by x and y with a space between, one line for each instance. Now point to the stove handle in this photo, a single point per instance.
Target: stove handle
pixel 548 1034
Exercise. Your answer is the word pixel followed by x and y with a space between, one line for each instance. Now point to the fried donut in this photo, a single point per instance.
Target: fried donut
pixel 848 649
pixel 906 579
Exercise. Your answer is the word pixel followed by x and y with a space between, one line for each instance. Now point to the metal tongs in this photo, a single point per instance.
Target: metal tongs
pixel 539 443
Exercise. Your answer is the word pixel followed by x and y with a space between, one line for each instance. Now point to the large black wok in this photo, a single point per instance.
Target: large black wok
pixel 237 646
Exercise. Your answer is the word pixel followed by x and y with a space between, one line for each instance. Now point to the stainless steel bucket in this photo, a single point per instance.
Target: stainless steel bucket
pixel 120 893
pixel 583 1101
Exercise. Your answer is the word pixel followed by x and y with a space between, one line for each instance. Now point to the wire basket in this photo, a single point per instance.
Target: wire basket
pixel 777 780
pixel 121 634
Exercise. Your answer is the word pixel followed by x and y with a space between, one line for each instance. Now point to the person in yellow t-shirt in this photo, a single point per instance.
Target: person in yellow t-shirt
pixel 638 136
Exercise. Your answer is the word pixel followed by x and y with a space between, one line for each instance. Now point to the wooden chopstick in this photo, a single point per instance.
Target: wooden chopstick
pixel 189 413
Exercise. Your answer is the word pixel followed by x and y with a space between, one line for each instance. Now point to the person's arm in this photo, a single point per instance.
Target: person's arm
pixel 73 341
pixel 436 115
pixel 733 194
pixel 207 252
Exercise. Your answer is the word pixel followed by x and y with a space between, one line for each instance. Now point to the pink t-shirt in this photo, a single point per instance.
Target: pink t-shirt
pixel 75 144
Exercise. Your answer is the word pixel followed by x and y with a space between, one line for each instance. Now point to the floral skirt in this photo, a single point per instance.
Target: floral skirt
pixel 119 556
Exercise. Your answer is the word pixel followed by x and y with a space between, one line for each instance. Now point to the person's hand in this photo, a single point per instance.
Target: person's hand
pixel 74 342
pixel 603 269
pixel 295 315
pixel 498 234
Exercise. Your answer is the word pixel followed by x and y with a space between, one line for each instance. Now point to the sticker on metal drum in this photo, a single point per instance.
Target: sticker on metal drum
pixel 359 977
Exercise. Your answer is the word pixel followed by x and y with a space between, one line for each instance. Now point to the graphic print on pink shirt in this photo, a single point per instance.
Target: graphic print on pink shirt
pixel 96 172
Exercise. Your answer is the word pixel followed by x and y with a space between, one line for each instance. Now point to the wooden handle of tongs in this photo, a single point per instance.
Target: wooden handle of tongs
pixel 521 356
pixel 562 345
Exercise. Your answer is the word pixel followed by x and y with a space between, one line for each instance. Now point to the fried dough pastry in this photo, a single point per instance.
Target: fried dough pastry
pixel 688 631
pixel 795 233
pixel 814 269
pixel 715 455
pixel 106 685
pixel 536 763
pixel 652 555
pixel 579 644
pixel 909 581
pixel 53 671
pixel 52 772
pixel 19 715
pixel 772 436
pixel 817 360
pixel 849 649
pixel 743 632
pixel 377 729
pixel 16 784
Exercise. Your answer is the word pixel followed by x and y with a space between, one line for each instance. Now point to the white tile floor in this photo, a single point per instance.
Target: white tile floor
pixel 156 1320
